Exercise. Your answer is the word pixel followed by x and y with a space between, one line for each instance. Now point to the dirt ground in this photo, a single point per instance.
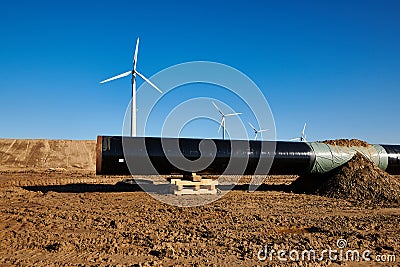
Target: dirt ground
pixel 33 154
pixel 71 217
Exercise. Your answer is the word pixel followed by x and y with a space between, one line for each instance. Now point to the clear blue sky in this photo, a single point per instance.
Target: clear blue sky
pixel 333 64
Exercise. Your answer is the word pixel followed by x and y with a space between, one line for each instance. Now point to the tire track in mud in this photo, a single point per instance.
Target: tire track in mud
pixel 33 158
pixel 12 143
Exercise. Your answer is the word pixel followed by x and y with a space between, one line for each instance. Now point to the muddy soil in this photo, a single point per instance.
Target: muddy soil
pixel 55 214
pixel 77 219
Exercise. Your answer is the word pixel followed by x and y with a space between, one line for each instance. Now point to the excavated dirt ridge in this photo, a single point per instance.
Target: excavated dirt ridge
pixel 359 181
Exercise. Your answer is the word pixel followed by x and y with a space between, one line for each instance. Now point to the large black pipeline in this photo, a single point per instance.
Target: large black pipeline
pixel 151 155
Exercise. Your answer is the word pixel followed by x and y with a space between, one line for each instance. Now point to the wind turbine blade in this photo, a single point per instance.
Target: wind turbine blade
pixel 136 53
pixel 254 128
pixel 295 139
pixel 255 137
pixel 148 81
pixel 117 77
pixel 215 105
pixel 304 129
pixel 260 131
pixel 233 114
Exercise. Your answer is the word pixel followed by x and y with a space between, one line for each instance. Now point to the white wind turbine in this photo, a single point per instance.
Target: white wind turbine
pixel 302 138
pixel 257 131
pixel 223 116
pixel 133 72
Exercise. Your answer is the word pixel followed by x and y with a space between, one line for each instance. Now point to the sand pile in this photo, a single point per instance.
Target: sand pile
pixel 347 142
pixel 359 181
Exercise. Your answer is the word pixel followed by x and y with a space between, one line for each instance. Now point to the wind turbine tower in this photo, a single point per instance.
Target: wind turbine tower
pixel 133 73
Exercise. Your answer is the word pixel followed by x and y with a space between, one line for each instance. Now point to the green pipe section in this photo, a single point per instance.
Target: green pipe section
pixel 329 157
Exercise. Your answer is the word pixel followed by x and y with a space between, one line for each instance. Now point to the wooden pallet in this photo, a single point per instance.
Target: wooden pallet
pixel 202 187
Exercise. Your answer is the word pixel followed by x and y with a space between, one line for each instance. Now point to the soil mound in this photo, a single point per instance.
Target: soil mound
pixel 42 154
pixel 359 181
pixel 347 142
